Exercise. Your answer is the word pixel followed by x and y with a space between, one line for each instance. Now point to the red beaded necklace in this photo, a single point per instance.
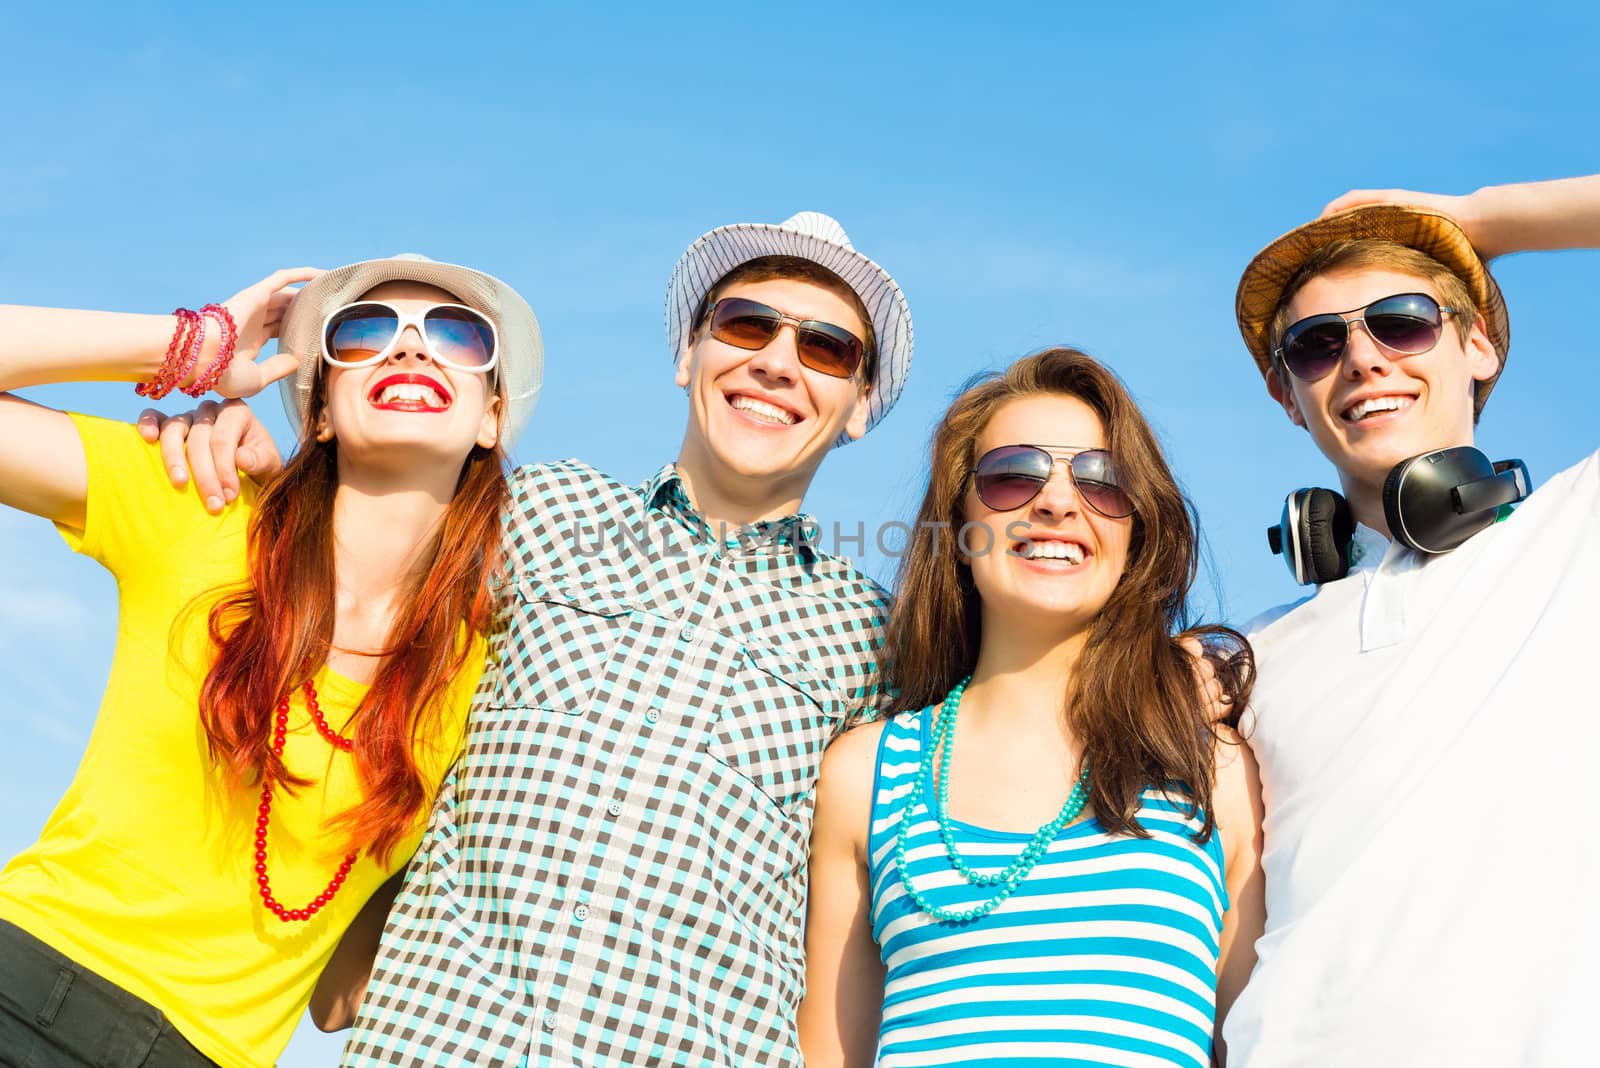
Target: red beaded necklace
pixel 264 813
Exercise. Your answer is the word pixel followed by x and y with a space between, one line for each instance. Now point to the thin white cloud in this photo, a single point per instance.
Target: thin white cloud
pixel 55 730
pixel 38 704
pixel 40 612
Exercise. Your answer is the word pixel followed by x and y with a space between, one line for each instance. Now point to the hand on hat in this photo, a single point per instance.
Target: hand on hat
pixel 1459 208
pixel 1518 217
pixel 258 313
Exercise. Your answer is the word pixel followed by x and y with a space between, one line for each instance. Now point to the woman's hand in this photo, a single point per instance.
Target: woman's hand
pixel 258 313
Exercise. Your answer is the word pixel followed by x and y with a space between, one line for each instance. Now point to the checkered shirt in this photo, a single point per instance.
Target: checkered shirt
pixel 615 871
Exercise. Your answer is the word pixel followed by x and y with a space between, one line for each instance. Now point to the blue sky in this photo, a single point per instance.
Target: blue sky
pixel 1031 174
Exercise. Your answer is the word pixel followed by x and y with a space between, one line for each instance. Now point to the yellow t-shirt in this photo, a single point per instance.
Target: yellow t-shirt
pixel 145 871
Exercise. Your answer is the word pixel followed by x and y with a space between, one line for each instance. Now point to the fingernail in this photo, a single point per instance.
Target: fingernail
pixel 213 504
pixel 228 495
pixel 180 473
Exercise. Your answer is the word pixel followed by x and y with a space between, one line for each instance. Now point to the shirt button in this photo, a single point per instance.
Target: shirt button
pixel 615 808
pixel 652 715
pixel 551 1021
pixel 581 913
pixel 688 634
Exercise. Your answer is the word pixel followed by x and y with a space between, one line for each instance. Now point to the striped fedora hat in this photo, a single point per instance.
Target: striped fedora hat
pixel 812 236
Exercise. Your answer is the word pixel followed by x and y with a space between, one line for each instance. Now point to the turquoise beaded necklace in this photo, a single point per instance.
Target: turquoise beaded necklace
pixel 1008 878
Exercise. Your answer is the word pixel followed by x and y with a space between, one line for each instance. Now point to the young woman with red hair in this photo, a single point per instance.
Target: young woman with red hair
pixel 292 675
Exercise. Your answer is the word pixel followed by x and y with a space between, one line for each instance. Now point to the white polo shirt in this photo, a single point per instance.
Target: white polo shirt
pixel 1428 730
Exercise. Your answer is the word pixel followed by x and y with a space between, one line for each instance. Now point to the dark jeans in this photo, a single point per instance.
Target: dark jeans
pixel 55 1013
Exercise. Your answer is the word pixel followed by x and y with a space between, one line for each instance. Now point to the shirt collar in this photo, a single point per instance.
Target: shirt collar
pixel 657 487
pixel 664 492
pixel 1367 548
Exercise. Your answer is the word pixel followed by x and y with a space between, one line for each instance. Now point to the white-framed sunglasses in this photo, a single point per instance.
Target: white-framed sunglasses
pixel 366 333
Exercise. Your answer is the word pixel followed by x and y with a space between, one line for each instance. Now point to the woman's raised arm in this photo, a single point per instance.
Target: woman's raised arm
pixel 42 466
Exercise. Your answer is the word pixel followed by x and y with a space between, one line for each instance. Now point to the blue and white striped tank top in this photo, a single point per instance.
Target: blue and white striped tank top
pixel 1106 954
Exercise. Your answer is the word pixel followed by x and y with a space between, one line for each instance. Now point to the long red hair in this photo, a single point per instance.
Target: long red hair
pixel 274 634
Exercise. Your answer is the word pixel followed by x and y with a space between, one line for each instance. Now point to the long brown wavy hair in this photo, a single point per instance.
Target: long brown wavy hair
pixel 275 632
pixel 1132 700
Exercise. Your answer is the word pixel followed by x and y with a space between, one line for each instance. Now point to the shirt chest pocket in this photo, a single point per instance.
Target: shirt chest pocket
pixel 558 640
pixel 774 720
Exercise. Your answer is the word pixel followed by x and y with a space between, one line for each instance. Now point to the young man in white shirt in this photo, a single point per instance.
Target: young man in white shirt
pixel 1426 724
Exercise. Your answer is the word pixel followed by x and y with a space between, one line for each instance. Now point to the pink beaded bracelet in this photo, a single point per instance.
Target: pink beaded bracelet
pixel 188 342
pixel 192 351
pixel 170 374
pixel 207 380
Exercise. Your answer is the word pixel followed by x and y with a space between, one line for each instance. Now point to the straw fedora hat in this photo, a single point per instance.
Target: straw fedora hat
pixel 1428 231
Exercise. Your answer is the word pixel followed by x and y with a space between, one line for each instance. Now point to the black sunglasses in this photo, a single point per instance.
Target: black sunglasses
pixel 824 347
pixel 1010 476
pixel 1406 323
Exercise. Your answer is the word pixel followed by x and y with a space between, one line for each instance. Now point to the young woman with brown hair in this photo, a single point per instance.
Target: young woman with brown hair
pixel 292 676
pixel 1082 884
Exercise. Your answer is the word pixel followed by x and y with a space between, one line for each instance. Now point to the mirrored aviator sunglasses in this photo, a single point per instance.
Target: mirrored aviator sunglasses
pixel 1008 477
pixel 366 333
pixel 823 347
pixel 1407 324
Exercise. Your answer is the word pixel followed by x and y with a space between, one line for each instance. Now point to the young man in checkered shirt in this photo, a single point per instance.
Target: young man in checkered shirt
pixel 615 871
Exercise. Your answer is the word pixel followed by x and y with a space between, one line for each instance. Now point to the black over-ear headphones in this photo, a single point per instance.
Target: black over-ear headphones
pixel 1432 503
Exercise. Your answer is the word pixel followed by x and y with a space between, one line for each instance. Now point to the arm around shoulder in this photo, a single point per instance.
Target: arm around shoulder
pixel 843 1002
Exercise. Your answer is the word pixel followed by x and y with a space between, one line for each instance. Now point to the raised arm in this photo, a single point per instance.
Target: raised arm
pixel 1498 219
pixel 43 469
pixel 843 1002
pixel 42 466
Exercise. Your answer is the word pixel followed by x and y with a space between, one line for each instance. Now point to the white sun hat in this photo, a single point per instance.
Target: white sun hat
pixel 521 366
pixel 813 236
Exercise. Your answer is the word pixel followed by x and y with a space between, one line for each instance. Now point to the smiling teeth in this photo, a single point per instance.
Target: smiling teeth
pixel 1360 411
pixel 762 410
pixel 411 391
pixel 1071 552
